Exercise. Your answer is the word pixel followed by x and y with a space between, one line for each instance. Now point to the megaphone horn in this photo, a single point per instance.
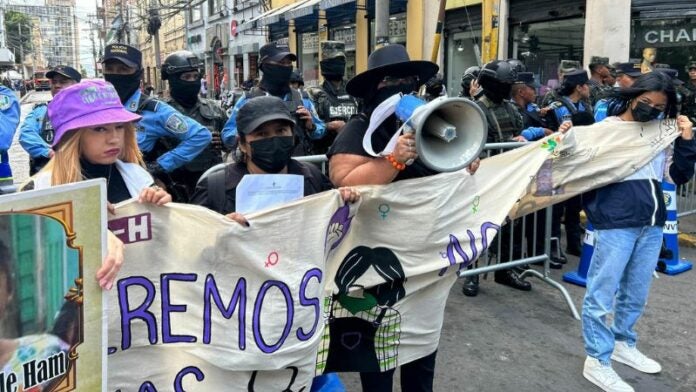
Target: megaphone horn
pixel 450 132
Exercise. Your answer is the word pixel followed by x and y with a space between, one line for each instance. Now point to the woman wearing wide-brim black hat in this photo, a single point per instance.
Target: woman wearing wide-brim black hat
pixel 389 61
pixel 390 71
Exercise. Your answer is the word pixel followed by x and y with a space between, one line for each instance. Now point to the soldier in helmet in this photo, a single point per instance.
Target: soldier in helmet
pixel 296 80
pixel 504 123
pixel 334 105
pixel 689 105
pixel 517 65
pixel 183 71
pixel 470 87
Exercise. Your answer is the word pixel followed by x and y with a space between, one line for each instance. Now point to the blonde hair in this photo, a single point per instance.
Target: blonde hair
pixel 65 165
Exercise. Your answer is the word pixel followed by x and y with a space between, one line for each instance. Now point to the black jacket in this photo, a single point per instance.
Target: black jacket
pixel 314 182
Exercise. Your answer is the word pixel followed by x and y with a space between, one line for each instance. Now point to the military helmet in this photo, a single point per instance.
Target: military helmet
pixel 180 62
pixel 517 65
pixel 498 71
pixel 296 77
pixel 471 73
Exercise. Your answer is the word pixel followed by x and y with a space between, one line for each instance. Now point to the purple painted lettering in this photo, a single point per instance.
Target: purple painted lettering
pixel 168 308
pixel 238 301
pixel 314 302
pixel 141 312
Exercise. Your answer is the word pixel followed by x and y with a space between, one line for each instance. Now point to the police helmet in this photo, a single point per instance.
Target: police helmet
pixel 296 77
pixel 180 62
pixel 498 71
pixel 517 65
pixel 471 73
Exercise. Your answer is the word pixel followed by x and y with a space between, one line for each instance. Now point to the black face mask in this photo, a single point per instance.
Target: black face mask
pixel 125 85
pixel 385 92
pixel 333 69
pixel 272 154
pixel 276 79
pixel 497 91
pixel 184 92
pixel 644 112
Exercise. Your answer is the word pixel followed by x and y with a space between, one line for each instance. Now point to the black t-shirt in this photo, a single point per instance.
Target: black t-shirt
pixel 116 189
pixel 314 182
pixel 350 140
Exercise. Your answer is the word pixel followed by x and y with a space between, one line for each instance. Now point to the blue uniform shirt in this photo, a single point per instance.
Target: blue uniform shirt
pixel 30 133
pixel 532 133
pixel 563 114
pixel 9 119
pixel 229 132
pixel 600 111
pixel 165 121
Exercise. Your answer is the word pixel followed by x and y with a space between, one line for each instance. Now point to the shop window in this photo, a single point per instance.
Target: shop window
pixel 664 43
pixel 309 58
pixel 542 46
pixel 462 53
pixel 397 30
pixel 195 14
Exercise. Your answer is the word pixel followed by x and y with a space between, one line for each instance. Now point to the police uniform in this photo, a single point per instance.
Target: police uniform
pixel 689 103
pixel 36 136
pixel 598 91
pixel 292 100
pixel 9 119
pixel 332 104
pixel 159 120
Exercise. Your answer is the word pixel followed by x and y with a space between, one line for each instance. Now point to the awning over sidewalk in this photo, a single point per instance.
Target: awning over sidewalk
pixel 251 23
pixel 307 8
pixel 326 4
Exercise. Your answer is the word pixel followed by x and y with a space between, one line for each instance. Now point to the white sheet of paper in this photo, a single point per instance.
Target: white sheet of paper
pixel 260 191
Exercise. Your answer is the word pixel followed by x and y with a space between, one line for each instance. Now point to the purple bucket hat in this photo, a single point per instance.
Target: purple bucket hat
pixel 89 103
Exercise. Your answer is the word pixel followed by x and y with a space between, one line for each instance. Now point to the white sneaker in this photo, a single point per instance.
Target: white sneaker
pixel 632 357
pixel 604 376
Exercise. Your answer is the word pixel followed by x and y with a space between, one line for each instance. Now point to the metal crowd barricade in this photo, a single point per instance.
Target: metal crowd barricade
pixel 686 198
pixel 524 238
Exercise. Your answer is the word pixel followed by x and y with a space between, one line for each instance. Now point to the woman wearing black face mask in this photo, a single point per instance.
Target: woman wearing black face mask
pixel 628 217
pixel 265 144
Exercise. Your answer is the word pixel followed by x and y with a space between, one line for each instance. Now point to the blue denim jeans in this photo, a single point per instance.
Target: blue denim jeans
pixel 618 281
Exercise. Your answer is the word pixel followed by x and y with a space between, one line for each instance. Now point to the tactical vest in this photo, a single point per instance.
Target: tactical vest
pixel 303 145
pixel 47 132
pixel 205 114
pixel 504 121
pixel 335 105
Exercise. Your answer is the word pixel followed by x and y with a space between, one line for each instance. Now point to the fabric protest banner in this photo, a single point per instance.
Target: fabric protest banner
pixel 315 286
pixel 52 334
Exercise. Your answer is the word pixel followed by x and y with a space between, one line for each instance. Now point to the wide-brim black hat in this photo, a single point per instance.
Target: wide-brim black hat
pixel 393 61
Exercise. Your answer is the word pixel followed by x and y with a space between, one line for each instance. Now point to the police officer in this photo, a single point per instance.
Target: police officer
pixel 524 94
pixel 123 68
pixel 9 119
pixel 334 105
pixel 183 71
pixel 689 106
pixel 504 123
pixel 296 80
pixel 276 64
pixel 36 132
pixel 564 67
pixel 470 87
pixel 572 98
pixel 599 72
pixel 626 74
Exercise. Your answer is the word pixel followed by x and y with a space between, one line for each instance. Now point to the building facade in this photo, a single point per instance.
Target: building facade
pixel 58 31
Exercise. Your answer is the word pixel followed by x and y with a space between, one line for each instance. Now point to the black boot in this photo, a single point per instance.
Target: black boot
pixel 471 286
pixel 510 278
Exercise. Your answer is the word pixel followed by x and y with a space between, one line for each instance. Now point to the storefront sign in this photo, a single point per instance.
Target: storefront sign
pixel 660 36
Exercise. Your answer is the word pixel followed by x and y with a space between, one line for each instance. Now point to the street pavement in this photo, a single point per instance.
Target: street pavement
pixel 19 159
pixel 507 340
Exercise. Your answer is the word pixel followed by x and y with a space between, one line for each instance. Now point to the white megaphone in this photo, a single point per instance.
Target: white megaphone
pixel 450 132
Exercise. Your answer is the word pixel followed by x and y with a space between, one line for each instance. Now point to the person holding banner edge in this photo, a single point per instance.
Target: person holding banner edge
pixel 95 138
pixel 628 218
pixel 390 71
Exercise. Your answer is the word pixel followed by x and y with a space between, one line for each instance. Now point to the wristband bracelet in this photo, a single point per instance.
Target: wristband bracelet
pixel 397 165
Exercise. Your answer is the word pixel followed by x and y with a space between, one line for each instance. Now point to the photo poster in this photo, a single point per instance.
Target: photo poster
pixel 52 333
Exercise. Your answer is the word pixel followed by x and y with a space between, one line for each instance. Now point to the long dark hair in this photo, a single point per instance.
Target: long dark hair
pixel 653 81
pixel 386 264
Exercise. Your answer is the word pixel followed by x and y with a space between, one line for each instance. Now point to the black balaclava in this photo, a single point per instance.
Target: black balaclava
pixel 276 79
pixel 333 69
pixel 125 85
pixel 497 91
pixel 183 91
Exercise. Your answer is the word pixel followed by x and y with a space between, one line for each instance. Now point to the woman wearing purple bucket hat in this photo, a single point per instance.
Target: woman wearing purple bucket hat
pixel 95 138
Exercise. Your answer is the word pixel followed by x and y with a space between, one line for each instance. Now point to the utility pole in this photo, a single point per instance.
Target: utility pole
pixel 381 23
pixel 153 26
